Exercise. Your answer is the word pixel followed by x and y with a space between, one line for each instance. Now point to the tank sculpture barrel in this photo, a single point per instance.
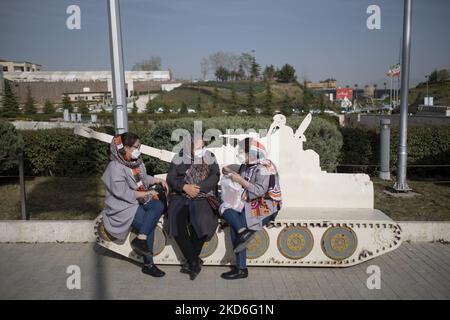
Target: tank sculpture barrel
pixel 150 151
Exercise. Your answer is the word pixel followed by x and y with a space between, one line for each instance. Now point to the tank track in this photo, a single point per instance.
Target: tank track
pixel 282 243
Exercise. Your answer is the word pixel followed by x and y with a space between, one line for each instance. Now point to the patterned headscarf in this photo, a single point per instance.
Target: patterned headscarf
pixel 257 154
pixel 134 165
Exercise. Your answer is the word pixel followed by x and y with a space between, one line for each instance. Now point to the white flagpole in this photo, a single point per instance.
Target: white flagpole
pixel 390 91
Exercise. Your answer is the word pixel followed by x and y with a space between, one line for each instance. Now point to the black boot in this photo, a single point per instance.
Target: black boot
pixel 152 270
pixel 235 273
pixel 140 246
pixel 186 269
pixel 243 238
pixel 194 269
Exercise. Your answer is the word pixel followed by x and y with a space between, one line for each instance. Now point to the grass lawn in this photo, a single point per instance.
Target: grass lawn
pixel 82 198
pixel 433 203
pixel 51 198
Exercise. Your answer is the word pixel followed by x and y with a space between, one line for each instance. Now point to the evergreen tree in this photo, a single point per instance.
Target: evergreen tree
pixel 268 100
pixel 29 108
pixel 241 72
pixel 66 103
pixel 251 97
pixel 255 69
pixel 135 108
pixel 83 108
pixel 150 107
pixel 286 74
pixel 49 108
pixel 286 108
pixel 215 97
pixel 184 108
pixel 10 106
pixel 269 73
pixel 199 103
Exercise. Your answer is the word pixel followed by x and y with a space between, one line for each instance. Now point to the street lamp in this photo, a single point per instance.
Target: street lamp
pixel 401 184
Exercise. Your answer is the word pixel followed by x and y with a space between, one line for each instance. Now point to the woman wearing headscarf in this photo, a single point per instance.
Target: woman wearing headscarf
pixel 192 177
pixel 129 201
pixel 260 200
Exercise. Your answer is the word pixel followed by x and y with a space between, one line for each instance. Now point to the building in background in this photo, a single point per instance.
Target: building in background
pixel 369 91
pixel 90 85
pixel 19 66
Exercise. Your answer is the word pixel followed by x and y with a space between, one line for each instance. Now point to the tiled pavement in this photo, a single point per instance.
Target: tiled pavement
pixel 38 271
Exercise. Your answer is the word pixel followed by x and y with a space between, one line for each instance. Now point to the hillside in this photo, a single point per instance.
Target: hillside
pixel 190 93
pixel 439 91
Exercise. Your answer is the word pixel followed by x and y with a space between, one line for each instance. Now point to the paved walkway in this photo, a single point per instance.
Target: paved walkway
pixel 38 271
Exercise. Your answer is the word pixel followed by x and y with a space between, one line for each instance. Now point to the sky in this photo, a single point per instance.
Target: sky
pixel 320 38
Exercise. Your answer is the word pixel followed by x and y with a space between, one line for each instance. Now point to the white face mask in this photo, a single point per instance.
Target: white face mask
pixel 135 154
pixel 241 158
pixel 199 153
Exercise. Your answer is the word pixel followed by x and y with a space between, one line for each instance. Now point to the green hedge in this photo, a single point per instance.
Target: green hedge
pixel 322 135
pixel 427 145
pixel 61 153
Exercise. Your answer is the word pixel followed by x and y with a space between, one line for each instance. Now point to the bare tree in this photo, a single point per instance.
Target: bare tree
pixel 151 64
pixel 204 67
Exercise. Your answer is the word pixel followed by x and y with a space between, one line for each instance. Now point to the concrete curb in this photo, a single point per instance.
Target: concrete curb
pixel 83 231
pixel 47 231
pixel 425 230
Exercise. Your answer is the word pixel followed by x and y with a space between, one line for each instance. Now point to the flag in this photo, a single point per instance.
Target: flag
pixel 394 70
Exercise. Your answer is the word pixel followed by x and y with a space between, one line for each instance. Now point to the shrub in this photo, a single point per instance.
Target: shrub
pixel 427 145
pixel 60 152
pixel 11 141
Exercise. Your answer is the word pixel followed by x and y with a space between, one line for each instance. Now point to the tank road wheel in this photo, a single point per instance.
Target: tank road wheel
pixel 159 243
pixel 100 231
pixel 339 243
pixel 209 247
pixel 258 245
pixel 295 242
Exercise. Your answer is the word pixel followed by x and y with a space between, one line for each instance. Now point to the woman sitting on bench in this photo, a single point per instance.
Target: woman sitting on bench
pixel 128 200
pixel 261 200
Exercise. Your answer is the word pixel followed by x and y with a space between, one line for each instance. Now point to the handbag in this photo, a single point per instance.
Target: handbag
pixel 213 201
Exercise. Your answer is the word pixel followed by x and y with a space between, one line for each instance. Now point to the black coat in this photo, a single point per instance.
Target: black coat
pixel 203 219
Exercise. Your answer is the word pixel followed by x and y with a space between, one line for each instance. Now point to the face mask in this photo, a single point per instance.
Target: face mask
pixel 199 153
pixel 241 158
pixel 135 154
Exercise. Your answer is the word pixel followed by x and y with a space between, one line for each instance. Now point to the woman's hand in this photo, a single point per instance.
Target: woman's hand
pixel 152 193
pixel 192 190
pixel 236 177
pixel 226 170
pixel 163 183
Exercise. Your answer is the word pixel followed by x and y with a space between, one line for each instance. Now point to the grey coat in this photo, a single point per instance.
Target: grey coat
pixel 259 179
pixel 202 217
pixel 120 198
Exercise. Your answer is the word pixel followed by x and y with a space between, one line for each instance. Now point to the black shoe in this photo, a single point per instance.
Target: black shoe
pixel 194 269
pixel 243 238
pixel 152 270
pixel 186 269
pixel 235 274
pixel 140 246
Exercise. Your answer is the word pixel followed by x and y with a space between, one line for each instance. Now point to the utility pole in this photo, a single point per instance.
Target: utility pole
pixel 401 185
pixel 428 99
pixel 117 71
